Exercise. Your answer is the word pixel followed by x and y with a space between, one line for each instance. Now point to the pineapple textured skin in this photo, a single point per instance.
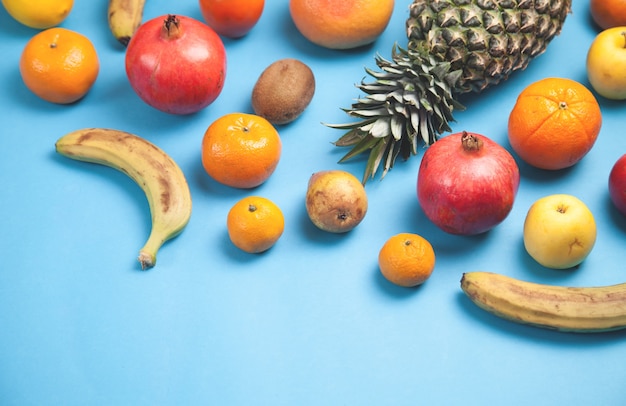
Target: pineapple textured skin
pixel 486 39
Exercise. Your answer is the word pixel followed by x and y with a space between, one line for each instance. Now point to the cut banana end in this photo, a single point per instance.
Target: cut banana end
pixel 148 253
pixel 147 259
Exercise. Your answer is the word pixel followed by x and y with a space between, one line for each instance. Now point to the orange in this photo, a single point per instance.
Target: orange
pixel 341 24
pixel 554 123
pixel 406 259
pixel 59 65
pixel 241 150
pixel 39 14
pixel 255 224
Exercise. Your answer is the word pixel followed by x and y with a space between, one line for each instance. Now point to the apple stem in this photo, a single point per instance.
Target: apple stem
pixel 171 27
pixel 624 35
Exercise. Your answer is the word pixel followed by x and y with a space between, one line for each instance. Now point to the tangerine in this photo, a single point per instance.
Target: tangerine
pixel 39 14
pixel 241 150
pixel 406 259
pixel 554 123
pixel 255 224
pixel 341 24
pixel 59 65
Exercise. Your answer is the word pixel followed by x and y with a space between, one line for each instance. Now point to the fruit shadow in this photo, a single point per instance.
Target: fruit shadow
pixel 537 271
pixel 590 21
pixel 557 276
pixel 22 96
pixel 210 189
pixel 129 110
pixel 529 173
pixel 237 255
pixel 618 219
pixel 444 243
pixel 391 290
pixel 318 236
pixel 112 42
pixel 96 173
pixel 9 27
pixel 532 333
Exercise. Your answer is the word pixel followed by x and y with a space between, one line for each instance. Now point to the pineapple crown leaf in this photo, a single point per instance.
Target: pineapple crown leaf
pixel 409 99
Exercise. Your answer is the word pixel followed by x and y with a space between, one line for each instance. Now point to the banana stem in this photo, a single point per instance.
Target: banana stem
pixel 147 254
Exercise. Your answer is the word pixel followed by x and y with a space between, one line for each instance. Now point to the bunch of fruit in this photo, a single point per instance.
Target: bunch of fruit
pixel 467 183
pixel 238 150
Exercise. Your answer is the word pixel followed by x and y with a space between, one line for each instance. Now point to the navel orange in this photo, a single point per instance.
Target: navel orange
pixel 554 123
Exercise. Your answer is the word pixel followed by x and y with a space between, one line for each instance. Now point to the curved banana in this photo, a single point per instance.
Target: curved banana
pixel 150 167
pixel 574 309
pixel 124 18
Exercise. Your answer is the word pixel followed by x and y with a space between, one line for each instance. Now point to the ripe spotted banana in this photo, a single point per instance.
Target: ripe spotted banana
pixel 124 18
pixel 582 310
pixel 154 171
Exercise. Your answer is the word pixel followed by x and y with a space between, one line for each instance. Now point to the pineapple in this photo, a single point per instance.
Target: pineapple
pixel 454 47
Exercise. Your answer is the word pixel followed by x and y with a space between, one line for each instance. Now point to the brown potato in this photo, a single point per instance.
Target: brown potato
pixel 335 201
pixel 283 91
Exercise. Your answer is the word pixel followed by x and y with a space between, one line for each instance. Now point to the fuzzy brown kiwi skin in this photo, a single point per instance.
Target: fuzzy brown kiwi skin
pixel 284 89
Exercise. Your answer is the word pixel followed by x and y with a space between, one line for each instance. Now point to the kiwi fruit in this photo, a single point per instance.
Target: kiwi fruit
pixel 283 90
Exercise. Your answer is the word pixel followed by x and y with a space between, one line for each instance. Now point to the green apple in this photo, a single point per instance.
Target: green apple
pixel 559 231
pixel 606 63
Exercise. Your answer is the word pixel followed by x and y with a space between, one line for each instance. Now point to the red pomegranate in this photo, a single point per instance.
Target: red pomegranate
pixel 467 183
pixel 176 64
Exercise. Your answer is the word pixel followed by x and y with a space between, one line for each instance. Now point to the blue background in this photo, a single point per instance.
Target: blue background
pixel 311 321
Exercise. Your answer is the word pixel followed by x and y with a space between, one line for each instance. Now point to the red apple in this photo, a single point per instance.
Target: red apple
pixel 617 184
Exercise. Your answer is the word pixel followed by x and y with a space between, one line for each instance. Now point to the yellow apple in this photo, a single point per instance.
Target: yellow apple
pixel 559 231
pixel 606 63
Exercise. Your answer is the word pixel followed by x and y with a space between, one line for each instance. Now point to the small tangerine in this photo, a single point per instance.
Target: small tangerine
pixel 255 224
pixel 407 259
pixel 59 65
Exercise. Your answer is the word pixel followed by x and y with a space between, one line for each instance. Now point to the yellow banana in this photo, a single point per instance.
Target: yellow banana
pixel 154 171
pixel 124 18
pixel 574 309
